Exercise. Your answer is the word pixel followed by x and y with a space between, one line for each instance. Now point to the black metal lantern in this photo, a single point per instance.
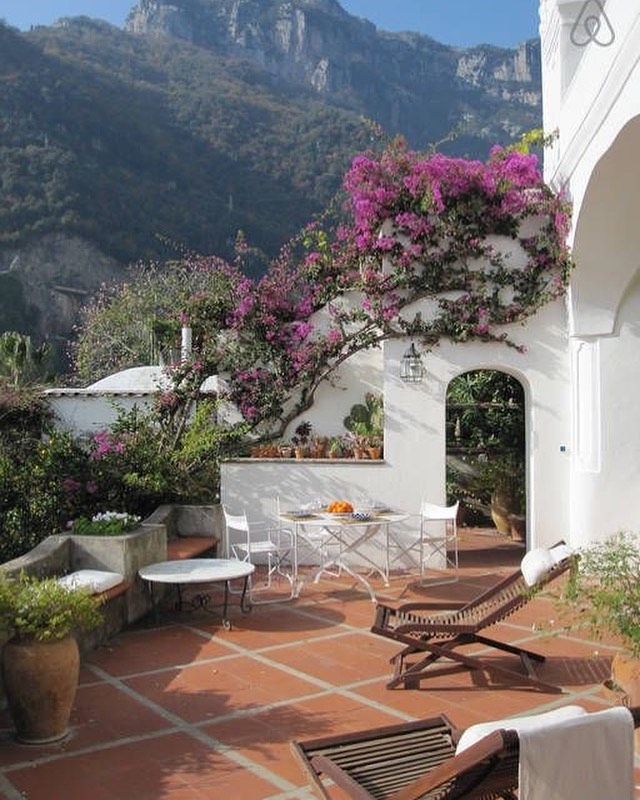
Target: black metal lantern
pixel 411 369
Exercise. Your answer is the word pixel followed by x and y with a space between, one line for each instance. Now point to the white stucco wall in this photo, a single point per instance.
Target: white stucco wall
pixel 415 443
pixel 360 374
pixel 592 96
pixel 86 414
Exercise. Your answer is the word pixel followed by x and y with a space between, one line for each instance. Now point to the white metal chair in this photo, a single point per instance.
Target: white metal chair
pixel 260 543
pixel 440 543
pixel 312 541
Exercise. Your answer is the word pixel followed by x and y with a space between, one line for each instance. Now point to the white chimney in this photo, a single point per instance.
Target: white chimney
pixel 187 341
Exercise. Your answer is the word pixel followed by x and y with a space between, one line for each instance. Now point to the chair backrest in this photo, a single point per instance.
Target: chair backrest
pixel 431 511
pixel 362 763
pixel 235 522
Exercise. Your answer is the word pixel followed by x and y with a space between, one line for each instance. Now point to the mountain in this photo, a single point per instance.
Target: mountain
pixel 407 82
pixel 203 117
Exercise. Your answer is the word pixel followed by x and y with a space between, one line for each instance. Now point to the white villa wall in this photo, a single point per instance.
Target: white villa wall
pixel 415 442
pixel 86 414
pixel 592 96
pixel 362 373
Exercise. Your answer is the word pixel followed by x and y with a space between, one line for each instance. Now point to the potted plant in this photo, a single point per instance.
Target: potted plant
pixel 41 662
pixel 335 447
pixel 504 480
pixel 319 446
pixel 105 523
pixel 603 592
pixel 374 447
pixel 366 423
pixel 300 439
pixel 286 450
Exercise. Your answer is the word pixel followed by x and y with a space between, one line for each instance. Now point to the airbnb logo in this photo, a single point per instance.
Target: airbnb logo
pixel 592 25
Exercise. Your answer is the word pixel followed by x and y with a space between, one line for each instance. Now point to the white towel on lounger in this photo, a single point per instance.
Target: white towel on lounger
pixel 588 757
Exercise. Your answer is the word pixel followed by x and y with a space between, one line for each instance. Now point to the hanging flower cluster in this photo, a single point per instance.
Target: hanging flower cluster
pixel 435 248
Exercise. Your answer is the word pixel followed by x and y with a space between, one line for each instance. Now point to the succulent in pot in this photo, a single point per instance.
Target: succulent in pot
pixel 300 439
pixel 40 662
pixel 335 447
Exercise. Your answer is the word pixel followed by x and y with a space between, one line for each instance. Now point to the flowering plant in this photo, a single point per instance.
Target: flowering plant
pixel 106 523
pixel 433 248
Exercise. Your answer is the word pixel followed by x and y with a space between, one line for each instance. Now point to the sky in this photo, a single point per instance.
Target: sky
pixel 457 22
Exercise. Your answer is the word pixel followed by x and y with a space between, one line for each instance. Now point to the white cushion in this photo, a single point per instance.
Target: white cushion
pixel 560 552
pixel 531 723
pixel 536 564
pixel 95 580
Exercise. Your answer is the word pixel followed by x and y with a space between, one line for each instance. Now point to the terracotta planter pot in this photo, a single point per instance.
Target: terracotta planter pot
pixel 360 453
pixel 41 679
pixel 518 526
pixel 300 452
pixel 625 672
pixel 501 505
pixel 375 453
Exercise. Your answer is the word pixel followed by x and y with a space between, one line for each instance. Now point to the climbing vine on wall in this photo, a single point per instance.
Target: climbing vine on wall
pixel 433 248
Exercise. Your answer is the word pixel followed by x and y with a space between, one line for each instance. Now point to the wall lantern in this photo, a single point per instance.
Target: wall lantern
pixel 411 368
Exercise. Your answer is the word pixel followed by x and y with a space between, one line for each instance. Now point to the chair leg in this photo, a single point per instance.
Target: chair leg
pixel 414 674
pixel 510 648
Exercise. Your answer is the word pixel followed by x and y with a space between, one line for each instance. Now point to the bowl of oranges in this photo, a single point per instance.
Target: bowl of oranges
pixel 340 508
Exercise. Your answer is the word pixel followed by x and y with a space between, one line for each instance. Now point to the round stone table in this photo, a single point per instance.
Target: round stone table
pixel 190 571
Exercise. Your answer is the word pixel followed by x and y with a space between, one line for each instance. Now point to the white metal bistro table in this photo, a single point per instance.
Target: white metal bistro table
pixel 191 571
pixel 348 534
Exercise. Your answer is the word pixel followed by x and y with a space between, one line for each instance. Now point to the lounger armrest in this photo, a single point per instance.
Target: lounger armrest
pixel 487 748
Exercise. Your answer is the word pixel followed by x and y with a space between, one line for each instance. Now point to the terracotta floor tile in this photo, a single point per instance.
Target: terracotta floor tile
pixel 101 714
pixel 272 625
pixel 340 661
pixel 207 691
pixel 323 635
pixel 152 770
pixel 154 649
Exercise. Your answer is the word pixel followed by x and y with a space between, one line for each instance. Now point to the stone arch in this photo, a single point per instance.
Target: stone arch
pixel 523 381
pixel 607 237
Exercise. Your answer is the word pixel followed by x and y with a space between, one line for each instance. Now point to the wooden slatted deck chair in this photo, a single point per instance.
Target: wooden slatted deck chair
pixel 415 761
pixel 439 636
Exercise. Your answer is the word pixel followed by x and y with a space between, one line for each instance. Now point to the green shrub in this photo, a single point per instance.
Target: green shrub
pixel 604 589
pixel 44 610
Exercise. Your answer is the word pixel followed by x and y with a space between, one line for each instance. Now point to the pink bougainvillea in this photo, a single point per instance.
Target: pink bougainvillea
pixel 419 228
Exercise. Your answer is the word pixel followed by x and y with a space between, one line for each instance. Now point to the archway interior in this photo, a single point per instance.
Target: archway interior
pixel 486 452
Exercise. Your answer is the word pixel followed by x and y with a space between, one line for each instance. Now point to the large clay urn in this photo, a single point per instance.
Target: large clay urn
pixel 625 673
pixel 40 680
pixel 501 507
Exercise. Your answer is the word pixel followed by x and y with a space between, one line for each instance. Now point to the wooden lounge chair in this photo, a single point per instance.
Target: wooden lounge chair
pixel 439 636
pixel 415 761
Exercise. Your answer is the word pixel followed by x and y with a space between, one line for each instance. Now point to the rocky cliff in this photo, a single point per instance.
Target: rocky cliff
pixel 204 117
pixel 407 82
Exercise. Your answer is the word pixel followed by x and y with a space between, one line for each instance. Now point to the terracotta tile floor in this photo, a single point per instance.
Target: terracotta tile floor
pixel 189 711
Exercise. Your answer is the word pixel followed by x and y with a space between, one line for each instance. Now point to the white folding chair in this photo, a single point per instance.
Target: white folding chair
pixel 313 541
pixel 442 542
pixel 260 543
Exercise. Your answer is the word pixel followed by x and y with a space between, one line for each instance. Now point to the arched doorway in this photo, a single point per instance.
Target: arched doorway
pixel 486 454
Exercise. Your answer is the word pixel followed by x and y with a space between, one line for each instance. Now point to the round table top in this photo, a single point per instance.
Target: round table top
pixel 196 570
pixel 326 519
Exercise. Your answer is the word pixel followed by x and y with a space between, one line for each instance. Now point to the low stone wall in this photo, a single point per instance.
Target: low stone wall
pixel 126 554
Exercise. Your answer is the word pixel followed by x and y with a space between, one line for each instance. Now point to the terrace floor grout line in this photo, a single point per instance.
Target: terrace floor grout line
pixel 313 610
pixel 10 791
pixel 190 730
pixel 94 748
pixel 320 682
pixel 216 659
